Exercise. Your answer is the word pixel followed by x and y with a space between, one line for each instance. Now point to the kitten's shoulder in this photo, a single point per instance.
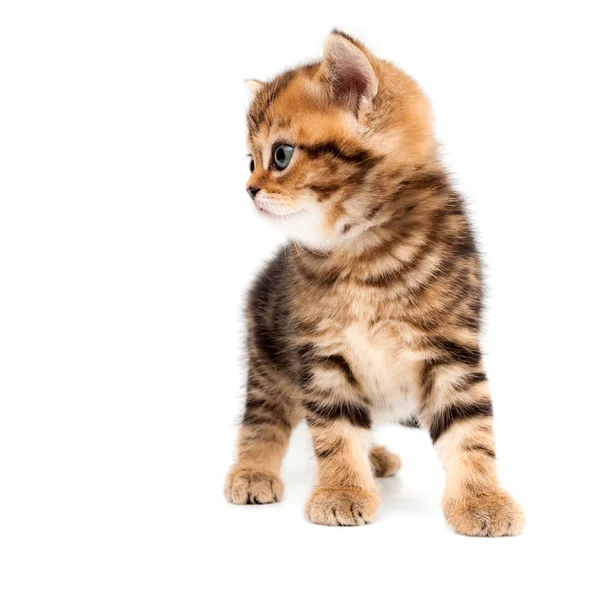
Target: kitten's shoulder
pixel 271 281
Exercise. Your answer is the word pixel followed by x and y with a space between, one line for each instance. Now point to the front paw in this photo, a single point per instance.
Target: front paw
pixel 250 486
pixel 341 506
pixel 485 514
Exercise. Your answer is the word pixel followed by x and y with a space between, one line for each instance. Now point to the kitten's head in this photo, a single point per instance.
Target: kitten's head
pixel 326 140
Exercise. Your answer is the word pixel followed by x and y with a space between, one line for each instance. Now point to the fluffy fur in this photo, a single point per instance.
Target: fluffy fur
pixel 372 311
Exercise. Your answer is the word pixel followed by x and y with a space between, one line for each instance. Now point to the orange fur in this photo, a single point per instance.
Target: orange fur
pixel 372 311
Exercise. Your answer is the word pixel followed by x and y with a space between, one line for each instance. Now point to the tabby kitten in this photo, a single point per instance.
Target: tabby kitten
pixel 372 311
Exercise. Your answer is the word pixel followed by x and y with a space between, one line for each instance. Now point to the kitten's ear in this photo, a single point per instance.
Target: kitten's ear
pixel 348 71
pixel 254 86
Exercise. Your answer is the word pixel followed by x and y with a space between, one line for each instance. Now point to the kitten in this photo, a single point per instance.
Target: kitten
pixel 372 311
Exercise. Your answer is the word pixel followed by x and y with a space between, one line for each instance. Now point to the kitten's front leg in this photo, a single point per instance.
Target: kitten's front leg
pixel 262 441
pixel 346 492
pixel 339 418
pixel 457 410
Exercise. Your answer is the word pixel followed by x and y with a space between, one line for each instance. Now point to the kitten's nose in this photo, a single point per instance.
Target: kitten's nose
pixel 253 191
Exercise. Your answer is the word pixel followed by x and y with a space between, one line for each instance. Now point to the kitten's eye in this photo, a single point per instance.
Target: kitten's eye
pixel 251 165
pixel 282 154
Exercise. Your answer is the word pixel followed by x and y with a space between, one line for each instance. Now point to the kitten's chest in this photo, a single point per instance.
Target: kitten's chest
pixel 384 368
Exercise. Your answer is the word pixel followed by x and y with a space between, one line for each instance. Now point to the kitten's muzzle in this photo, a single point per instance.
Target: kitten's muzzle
pixel 252 191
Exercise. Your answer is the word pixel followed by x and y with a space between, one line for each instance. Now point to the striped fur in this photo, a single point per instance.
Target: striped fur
pixel 372 310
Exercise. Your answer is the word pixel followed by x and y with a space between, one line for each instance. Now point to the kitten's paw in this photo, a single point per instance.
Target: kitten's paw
pixel 341 506
pixel 249 486
pixel 384 462
pixel 491 514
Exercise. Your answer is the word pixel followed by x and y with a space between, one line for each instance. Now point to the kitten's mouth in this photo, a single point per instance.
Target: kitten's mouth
pixel 276 215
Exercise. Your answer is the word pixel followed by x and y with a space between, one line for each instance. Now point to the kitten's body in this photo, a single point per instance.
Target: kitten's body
pixel 373 314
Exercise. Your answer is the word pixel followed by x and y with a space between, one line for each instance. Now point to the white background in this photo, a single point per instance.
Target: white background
pixel 127 242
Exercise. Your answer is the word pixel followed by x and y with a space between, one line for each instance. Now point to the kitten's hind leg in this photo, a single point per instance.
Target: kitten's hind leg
pixel 263 439
pixel 383 462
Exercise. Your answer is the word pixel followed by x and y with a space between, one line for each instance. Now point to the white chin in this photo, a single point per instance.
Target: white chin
pixel 305 227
